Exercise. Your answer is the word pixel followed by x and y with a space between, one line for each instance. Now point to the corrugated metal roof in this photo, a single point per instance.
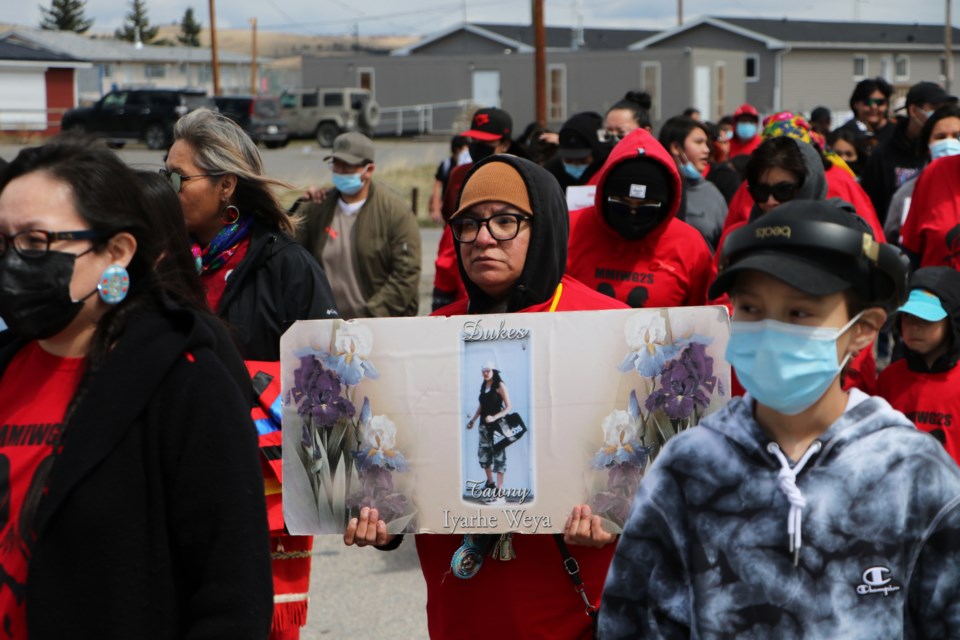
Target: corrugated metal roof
pixel 113 51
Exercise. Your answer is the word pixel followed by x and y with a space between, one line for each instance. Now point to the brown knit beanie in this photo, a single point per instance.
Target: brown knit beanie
pixel 495 182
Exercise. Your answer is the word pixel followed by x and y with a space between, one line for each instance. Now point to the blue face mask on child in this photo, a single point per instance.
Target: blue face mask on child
pixel 944 148
pixel 746 130
pixel 348 183
pixel 786 367
pixel 575 171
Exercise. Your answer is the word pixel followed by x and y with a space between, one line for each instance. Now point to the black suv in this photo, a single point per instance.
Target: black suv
pixel 136 114
pixel 260 117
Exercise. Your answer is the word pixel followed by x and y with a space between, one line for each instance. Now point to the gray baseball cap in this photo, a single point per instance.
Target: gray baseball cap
pixel 353 148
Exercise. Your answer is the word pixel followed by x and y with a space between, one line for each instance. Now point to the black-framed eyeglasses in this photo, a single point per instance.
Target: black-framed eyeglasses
pixel 781 192
pixel 35 243
pixel 177 179
pixel 501 227
pixel 875 102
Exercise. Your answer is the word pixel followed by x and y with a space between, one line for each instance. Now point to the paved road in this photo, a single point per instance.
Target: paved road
pixel 353 592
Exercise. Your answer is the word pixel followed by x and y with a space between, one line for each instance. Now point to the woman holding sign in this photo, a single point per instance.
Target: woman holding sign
pixel 494 404
pixel 511 229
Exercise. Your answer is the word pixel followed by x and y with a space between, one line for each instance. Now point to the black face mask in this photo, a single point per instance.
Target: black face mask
pixel 35 297
pixel 632 223
pixel 480 150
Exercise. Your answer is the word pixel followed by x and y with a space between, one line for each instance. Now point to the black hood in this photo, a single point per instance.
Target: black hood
pixel 549 231
pixel 943 282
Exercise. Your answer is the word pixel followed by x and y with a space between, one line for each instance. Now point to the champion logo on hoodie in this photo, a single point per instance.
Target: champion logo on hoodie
pixel 877 580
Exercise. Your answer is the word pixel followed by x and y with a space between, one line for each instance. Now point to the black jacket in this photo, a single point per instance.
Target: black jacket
pixel 277 283
pixel 943 282
pixel 154 525
pixel 892 163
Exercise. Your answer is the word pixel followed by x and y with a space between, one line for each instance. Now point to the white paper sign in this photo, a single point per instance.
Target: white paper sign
pixel 391 413
pixel 581 196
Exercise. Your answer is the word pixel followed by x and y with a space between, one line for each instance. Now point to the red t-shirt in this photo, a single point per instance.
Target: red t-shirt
pixel 215 282
pixel 34 393
pixel 932 228
pixel 930 400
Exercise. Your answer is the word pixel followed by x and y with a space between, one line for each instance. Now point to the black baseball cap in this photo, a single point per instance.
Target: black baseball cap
pixel 579 136
pixel 490 125
pixel 573 145
pixel 814 270
pixel 928 93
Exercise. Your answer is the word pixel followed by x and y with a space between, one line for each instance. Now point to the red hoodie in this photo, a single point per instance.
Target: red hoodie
pixel 932 229
pixel 739 148
pixel 670 267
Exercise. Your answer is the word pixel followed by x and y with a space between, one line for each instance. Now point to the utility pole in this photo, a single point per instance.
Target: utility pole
pixel 214 61
pixel 253 61
pixel 679 13
pixel 540 62
pixel 948 49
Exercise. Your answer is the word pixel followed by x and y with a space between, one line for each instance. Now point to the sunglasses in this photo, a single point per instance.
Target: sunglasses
pixel 875 102
pixel 177 179
pixel 781 192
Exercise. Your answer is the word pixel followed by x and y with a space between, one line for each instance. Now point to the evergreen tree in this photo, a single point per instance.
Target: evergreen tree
pixel 65 15
pixel 189 30
pixel 137 19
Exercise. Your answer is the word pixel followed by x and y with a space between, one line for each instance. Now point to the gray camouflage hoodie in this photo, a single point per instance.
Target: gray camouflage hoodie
pixel 705 553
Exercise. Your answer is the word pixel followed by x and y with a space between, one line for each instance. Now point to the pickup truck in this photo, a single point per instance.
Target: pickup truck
pixel 326 113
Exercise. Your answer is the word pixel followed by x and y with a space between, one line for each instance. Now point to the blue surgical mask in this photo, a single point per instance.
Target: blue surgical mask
pixel 348 183
pixel 944 148
pixel 689 170
pixel 786 367
pixel 746 130
pixel 727 134
pixel 575 171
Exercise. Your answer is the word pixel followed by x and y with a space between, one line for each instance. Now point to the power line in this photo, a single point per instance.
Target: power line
pixel 384 17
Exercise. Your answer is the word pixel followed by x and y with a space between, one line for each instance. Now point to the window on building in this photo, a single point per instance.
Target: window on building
pixel 155 71
pixel 205 73
pixel 650 82
pixel 720 91
pixel 556 92
pixel 752 70
pixel 943 68
pixel 901 68
pixel 859 67
pixel 365 78
pixel 107 70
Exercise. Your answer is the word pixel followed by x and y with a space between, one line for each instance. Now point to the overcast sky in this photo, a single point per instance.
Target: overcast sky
pixel 325 17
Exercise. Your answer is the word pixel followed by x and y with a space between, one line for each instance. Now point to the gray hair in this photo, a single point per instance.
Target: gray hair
pixel 222 147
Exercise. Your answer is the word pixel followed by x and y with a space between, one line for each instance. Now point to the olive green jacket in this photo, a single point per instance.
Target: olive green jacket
pixel 386 243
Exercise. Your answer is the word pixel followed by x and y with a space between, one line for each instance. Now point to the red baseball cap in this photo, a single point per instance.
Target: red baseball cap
pixel 489 125
pixel 746 110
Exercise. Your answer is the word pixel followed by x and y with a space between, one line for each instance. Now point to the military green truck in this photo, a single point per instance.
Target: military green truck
pixel 325 113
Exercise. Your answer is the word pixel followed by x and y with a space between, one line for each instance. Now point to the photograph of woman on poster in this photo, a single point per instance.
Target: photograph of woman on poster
pixel 497 416
pixel 494 404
